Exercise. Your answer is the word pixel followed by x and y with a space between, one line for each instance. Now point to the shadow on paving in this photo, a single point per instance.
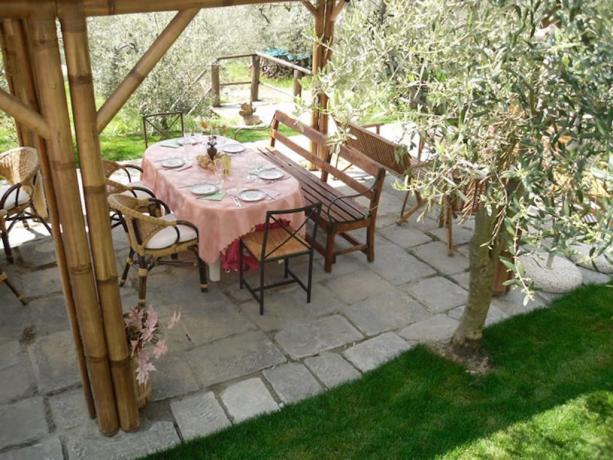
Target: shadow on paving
pixel 422 406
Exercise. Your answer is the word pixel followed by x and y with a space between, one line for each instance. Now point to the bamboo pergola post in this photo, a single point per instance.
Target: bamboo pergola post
pixel 50 83
pixel 144 65
pixel 74 31
pixel 15 35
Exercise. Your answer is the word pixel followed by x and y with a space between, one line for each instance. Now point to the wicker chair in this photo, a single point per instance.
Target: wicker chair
pixel 20 168
pixel 279 241
pixel 152 238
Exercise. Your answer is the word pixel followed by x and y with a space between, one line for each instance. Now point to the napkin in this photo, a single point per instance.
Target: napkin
pixel 214 197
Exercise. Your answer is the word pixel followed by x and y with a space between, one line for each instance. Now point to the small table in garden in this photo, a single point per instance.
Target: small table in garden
pixel 220 222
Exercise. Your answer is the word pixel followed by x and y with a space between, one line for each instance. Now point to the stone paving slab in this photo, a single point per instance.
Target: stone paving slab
pixel 173 377
pixel 41 283
pixel 460 235
pixel 204 324
pixel 50 449
pixel 292 382
pixel 372 353
pixel 22 421
pixel 435 255
pixel 357 286
pixel 17 382
pixel 49 314
pixel 405 237
pixel 494 314
pixel 69 409
pixel 310 338
pixel 438 294
pixel 10 353
pixel 331 369
pixel 248 399
pixel 233 357
pixel 199 415
pixel 55 362
pixel 386 311
pixel 88 444
pixel 38 253
pixel 395 265
pixel 282 308
pixel 512 303
pixel 439 327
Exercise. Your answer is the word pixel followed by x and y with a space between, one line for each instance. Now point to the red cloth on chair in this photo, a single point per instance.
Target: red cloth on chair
pixel 230 257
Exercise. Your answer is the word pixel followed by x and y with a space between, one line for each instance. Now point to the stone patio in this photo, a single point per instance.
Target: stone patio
pixel 237 364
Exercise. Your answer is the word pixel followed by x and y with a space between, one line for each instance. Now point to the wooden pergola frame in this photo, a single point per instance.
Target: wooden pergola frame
pixel 38 103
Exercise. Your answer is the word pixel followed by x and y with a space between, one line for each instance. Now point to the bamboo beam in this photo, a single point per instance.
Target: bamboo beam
pixel 142 68
pixel 23 114
pixel 20 57
pixel 30 8
pixel 309 6
pixel 10 72
pixel 46 55
pixel 74 32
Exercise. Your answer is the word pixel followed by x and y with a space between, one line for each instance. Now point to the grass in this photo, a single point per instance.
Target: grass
pixel 549 395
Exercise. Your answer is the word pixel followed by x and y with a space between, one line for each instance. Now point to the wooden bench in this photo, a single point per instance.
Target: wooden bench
pixel 340 213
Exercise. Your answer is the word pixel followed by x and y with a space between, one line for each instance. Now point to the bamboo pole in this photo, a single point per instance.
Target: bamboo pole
pixel 10 72
pixel 46 56
pixel 144 65
pixel 23 115
pixel 30 8
pixel 255 77
pixel 26 86
pixel 74 31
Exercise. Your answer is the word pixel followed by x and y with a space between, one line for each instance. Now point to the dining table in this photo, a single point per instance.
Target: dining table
pixel 253 186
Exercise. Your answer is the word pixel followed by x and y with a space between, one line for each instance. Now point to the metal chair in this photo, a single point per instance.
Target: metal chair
pixel 152 238
pixel 279 241
pixel 20 168
pixel 163 127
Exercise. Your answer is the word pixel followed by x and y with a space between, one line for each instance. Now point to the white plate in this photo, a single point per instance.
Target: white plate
pixel 173 163
pixel 204 189
pixel 270 174
pixel 233 148
pixel 251 195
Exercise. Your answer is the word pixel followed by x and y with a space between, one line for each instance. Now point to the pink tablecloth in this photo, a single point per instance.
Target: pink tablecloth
pixel 219 222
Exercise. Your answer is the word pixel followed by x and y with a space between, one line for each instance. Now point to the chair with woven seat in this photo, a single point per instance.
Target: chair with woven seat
pixel 153 238
pixel 143 194
pixel 279 241
pixel 20 168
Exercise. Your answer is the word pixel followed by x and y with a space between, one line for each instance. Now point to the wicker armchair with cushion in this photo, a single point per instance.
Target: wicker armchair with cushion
pixel 154 238
pixel 18 198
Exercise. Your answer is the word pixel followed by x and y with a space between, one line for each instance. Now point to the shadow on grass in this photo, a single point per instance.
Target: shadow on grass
pixel 422 406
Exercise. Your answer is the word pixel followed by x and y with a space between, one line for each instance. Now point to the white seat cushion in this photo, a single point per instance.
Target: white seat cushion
pixel 22 197
pixel 140 194
pixel 168 236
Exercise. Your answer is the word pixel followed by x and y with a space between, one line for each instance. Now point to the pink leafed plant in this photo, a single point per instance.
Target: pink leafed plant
pixel 144 338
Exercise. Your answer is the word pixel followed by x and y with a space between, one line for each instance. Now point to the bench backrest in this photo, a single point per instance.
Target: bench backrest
pixel 352 155
pixel 390 155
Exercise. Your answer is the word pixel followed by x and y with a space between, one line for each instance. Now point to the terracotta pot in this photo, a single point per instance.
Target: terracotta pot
pixel 142 392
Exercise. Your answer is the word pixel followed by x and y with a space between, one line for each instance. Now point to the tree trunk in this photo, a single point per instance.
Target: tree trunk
pixel 484 256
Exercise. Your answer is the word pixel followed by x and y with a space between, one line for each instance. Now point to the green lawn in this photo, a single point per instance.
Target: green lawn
pixel 550 395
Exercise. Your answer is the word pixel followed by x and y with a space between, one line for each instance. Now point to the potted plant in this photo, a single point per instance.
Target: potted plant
pixel 146 343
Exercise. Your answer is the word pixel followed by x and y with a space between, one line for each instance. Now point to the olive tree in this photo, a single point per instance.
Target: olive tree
pixel 513 96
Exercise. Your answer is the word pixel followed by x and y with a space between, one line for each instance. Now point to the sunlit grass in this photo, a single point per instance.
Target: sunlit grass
pixel 549 395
